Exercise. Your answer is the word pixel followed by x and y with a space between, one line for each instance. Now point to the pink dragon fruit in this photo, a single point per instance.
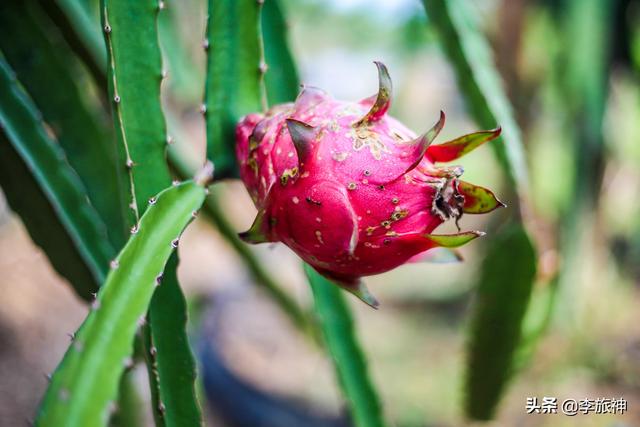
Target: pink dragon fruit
pixel 351 190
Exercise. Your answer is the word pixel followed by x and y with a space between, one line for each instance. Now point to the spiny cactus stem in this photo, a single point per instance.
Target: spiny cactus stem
pixel 116 99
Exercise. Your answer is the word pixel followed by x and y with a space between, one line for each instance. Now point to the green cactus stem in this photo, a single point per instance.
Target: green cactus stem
pixel 85 385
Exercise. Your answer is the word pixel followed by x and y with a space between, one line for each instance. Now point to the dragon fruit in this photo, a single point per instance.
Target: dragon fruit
pixel 350 189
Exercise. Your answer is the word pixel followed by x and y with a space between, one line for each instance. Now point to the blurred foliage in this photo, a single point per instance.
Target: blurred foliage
pixel 504 289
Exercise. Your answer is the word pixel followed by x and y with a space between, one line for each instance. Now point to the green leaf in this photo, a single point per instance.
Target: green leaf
pixel 86 382
pixel 135 74
pixel 234 84
pixel 34 48
pixel 349 360
pixel 281 78
pixel 479 81
pixel 504 290
pixel 45 191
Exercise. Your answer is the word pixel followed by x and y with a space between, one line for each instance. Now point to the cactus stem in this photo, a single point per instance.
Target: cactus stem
pixel 116 99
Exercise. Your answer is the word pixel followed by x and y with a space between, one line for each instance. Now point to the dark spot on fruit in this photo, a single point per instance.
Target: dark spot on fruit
pixel 315 202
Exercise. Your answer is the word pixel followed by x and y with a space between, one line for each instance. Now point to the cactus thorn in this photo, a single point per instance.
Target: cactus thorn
pixel 175 182
pixel 263 67
pixel 116 99
pixel 48 377
pixel 170 140
pixel 128 362
pixel 107 28
pixel 204 177
pixel 153 351
pixel 205 44
pixel 71 335
pixel 134 229
pixel 112 408
pixel 158 279
pixel 142 320
pixel 175 242
pixel 152 201
pixel 203 108
pixel 194 214
pixel 162 408
pixel 129 164
pixel 161 5
pixel 95 294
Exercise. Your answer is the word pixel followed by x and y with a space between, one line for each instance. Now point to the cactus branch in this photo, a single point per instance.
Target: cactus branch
pixel 86 382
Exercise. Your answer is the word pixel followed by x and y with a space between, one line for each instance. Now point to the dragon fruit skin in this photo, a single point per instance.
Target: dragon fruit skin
pixel 350 189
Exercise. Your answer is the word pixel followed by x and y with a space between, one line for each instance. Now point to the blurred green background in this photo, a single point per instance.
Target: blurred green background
pixel 571 70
